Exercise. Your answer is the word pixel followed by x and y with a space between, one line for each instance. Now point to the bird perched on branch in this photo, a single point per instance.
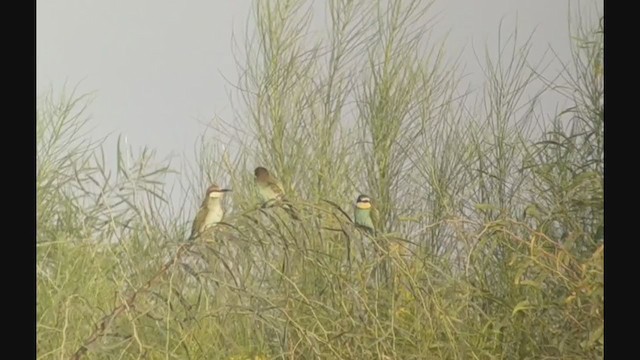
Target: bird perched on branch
pixel 271 191
pixel 365 215
pixel 210 212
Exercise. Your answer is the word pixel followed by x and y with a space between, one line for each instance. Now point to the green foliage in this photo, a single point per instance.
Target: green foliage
pixel 493 237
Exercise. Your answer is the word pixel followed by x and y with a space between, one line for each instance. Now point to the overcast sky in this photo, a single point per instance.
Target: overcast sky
pixel 157 66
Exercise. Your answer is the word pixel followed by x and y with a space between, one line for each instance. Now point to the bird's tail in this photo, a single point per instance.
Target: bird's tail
pixel 291 211
pixel 366 229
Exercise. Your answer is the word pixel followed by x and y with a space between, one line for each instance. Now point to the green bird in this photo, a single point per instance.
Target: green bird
pixel 365 214
pixel 271 191
pixel 210 212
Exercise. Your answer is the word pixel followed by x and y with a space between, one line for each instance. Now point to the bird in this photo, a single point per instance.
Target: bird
pixel 210 212
pixel 271 191
pixel 365 215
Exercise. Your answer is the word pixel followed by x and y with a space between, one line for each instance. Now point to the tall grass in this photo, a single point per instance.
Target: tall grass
pixel 491 235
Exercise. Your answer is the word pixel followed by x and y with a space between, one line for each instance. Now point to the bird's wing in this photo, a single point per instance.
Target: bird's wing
pixel 197 222
pixel 276 187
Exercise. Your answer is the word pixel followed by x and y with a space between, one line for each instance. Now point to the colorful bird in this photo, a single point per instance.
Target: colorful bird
pixel 365 214
pixel 210 212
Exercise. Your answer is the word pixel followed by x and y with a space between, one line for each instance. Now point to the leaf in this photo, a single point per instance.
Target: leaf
pixel 531 283
pixel 533 211
pixel 485 207
pixel 523 266
pixel 596 336
pixel 599 233
pixel 522 306
pixel 570 298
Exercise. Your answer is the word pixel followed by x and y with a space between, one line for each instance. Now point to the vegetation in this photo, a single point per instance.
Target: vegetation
pixel 491 235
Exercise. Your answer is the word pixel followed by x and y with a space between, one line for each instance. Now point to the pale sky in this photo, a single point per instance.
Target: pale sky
pixel 158 66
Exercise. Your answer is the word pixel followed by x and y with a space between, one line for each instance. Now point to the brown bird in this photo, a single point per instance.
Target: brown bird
pixel 271 191
pixel 210 212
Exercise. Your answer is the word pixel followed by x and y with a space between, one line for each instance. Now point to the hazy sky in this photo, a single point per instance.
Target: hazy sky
pixel 157 65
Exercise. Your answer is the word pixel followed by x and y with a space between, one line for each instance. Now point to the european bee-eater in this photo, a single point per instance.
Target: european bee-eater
pixel 271 190
pixel 365 214
pixel 210 212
